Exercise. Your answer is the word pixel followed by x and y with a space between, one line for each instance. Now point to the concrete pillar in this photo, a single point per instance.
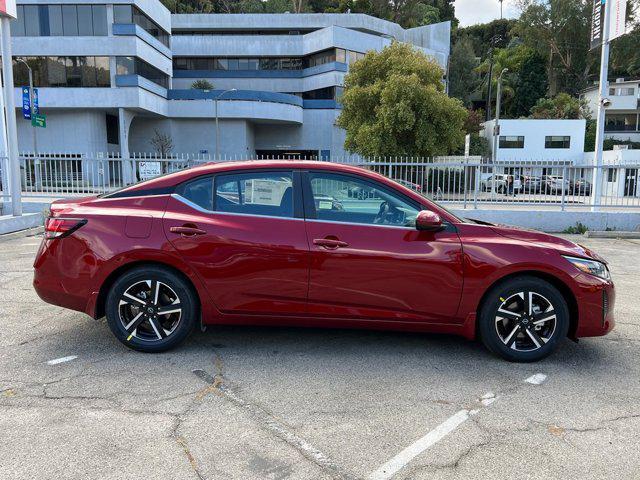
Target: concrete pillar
pixel 125 117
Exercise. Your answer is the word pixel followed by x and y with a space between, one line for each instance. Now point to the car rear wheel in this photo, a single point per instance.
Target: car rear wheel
pixel 523 319
pixel 151 309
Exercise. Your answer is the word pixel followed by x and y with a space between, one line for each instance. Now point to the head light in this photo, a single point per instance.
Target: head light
pixel 592 267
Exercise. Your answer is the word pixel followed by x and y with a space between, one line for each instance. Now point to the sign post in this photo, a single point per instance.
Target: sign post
pixel 7 12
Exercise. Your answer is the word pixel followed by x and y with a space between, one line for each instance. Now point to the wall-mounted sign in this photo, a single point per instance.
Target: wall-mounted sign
pixel 149 170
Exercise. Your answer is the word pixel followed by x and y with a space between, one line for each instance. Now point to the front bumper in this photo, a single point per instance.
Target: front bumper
pixel 596 302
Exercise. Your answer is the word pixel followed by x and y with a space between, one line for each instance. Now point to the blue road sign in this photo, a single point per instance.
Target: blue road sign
pixel 36 107
pixel 26 103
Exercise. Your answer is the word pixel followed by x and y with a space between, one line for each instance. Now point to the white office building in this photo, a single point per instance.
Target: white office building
pixel 113 76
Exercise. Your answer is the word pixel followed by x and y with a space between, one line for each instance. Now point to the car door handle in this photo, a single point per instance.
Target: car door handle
pixel 187 231
pixel 330 243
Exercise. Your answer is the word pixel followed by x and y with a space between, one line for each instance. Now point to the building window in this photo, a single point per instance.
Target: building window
pixel 557 142
pixel 132 14
pixel 328 93
pixel 511 142
pixel 622 92
pixel 136 66
pixel 63 72
pixel 112 129
pixel 612 175
pixel 60 20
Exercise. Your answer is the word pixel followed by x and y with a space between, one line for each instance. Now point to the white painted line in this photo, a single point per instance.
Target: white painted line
pixel 56 361
pixel 536 379
pixel 402 459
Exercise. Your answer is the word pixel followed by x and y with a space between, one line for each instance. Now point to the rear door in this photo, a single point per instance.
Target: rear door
pixel 244 233
pixel 367 259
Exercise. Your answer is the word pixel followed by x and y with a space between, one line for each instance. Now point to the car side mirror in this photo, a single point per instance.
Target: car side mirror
pixel 428 221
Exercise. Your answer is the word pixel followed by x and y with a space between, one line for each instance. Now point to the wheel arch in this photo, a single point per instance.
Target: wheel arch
pixel 562 287
pixel 122 269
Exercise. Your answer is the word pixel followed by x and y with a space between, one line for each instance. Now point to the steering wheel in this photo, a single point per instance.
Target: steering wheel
pixel 388 215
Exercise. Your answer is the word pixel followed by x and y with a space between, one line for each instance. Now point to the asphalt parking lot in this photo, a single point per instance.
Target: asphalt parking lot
pixel 283 403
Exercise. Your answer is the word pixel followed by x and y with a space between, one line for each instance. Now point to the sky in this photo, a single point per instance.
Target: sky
pixel 470 12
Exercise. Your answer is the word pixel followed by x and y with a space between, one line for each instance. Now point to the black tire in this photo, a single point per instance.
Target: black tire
pixel 152 332
pixel 534 335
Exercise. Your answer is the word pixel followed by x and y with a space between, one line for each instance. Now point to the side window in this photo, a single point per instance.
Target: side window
pixel 199 191
pixel 343 198
pixel 256 193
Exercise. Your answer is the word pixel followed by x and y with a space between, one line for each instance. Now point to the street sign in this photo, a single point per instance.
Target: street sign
pixel 38 120
pixel 617 19
pixel 149 170
pixel 26 103
pixel 8 8
pixel 597 23
pixel 35 108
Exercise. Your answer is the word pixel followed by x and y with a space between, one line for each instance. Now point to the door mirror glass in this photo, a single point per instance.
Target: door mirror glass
pixel 428 221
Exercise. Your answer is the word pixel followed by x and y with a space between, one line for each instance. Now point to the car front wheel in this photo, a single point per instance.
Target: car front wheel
pixel 523 319
pixel 151 309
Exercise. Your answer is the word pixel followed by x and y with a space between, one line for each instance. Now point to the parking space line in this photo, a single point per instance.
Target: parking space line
pixel 536 379
pixel 56 361
pixel 402 459
pixel 268 422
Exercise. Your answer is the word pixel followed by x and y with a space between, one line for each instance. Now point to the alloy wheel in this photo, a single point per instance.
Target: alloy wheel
pixel 525 321
pixel 149 310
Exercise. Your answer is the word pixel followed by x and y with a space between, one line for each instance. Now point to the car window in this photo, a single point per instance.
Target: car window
pixel 256 193
pixel 344 198
pixel 199 191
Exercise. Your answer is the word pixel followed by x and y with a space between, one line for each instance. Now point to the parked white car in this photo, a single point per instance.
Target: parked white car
pixel 498 183
pixel 554 184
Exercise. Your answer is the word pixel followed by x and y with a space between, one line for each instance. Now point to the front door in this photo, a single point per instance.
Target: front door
pixel 630 182
pixel 369 261
pixel 244 234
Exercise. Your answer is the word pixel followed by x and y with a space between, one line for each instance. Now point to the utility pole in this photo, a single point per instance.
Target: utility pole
pixel 602 105
pixel 10 117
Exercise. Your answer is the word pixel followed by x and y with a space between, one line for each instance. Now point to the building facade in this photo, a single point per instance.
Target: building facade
pixel 117 77
pixel 622 116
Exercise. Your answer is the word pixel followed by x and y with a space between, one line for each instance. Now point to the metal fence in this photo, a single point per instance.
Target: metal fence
pixel 462 182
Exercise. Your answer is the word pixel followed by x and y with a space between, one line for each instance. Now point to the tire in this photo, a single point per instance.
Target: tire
pixel 515 336
pixel 136 318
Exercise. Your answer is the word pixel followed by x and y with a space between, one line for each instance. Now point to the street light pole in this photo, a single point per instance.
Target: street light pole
pixel 496 126
pixel 36 160
pixel 602 104
pixel 215 101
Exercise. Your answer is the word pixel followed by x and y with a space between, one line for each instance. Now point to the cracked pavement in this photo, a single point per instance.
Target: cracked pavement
pixel 285 403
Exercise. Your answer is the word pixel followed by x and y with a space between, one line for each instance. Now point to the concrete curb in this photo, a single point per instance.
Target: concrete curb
pixel 612 234
pixel 29 232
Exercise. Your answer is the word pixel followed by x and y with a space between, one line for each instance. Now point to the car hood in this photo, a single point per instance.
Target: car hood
pixel 563 246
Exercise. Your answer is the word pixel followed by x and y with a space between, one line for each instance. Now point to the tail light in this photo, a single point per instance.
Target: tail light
pixel 61 227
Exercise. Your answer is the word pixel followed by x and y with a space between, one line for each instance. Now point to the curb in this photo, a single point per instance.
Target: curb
pixel 612 234
pixel 28 232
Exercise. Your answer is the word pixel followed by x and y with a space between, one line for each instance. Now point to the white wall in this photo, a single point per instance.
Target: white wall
pixel 534 132
pixel 73 131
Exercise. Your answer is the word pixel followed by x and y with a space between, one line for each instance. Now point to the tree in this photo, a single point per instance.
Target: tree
pixel 559 31
pixel 202 85
pixel 162 142
pixel 394 104
pixel 561 106
pixel 531 84
pixel 463 76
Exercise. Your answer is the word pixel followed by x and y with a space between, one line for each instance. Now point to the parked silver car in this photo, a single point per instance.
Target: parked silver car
pixel 554 184
pixel 498 183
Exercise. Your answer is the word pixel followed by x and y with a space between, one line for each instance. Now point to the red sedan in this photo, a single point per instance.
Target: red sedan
pixel 284 243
